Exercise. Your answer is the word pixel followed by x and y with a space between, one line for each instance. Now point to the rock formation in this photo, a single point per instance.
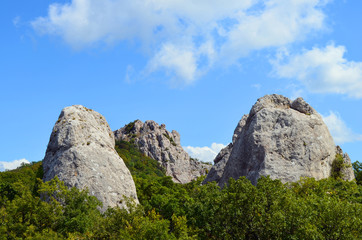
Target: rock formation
pixel 347 172
pixel 281 138
pixel 81 153
pixel 156 142
pixel 221 159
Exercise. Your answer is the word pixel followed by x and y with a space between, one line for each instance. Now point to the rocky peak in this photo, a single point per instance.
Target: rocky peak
pixel 157 142
pixel 281 138
pixel 301 106
pixel 81 153
pixel 347 171
pixel 274 101
pixel 79 117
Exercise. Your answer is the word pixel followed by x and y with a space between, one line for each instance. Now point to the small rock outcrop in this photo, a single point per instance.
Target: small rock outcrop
pixel 282 139
pixel 81 153
pixel 156 142
pixel 347 172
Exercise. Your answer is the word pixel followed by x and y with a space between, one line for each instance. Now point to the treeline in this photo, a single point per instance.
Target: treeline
pixel 308 209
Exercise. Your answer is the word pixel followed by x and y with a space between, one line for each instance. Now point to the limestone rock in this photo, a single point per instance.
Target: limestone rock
pixel 239 127
pixel 347 172
pixel 158 143
pixel 283 139
pixel 81 153
pixel 300 105
pixel 221 159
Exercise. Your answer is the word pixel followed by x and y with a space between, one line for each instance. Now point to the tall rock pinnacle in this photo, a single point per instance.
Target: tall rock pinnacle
pixel 281 138
pixel 81 153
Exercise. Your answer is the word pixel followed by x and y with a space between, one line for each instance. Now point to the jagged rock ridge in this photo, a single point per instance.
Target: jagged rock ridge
pixel 156 142
pixel 281 138
pixel 81 153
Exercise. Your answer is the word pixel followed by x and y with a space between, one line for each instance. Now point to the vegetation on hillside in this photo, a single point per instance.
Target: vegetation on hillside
pixel 129 127
pixel 357 167
pixel 308 209
pixel 138 164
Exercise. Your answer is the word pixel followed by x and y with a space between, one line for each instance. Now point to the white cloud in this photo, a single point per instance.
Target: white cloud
pixel 324 71
pixel 339 130
pixel 278 24
pixel 84 22
pixel 205 154
pixel 197 34
pixel 12 165
pixel 16 21
pixel 179 62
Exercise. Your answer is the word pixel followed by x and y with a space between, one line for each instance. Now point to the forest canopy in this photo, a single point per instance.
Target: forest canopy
pixel 307 209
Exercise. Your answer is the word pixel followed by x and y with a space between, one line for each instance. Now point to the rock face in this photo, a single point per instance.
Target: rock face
pixel 156 142
pixel 281 138
pixel 347 173
pixel 221 159
pixel 81 153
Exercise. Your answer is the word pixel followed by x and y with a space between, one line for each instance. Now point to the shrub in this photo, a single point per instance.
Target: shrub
pixel 129 127
pixel 357 167
pixel 337 167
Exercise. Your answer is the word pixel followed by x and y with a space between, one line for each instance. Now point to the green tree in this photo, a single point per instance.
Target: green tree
pixel 138 164
pixel 135 223
pixel 79 211
pixel 357 167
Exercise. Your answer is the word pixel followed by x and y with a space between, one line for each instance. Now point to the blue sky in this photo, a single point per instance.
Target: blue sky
pixel 196 66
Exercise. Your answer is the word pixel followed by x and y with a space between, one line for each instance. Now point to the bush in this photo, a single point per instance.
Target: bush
pixel 337 167
pixel 307 209
pixel 138 164
pixel 357 167
pixel 129 127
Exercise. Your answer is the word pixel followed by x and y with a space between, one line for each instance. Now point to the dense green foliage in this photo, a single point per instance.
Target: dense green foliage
pixel 27 174
pixel 308 209
pixel 337 166
pixel 357 167
pixel 139 164
pixel 129 127
pixel 25 214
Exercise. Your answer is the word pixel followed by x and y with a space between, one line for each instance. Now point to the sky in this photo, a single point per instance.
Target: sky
pixel 196 66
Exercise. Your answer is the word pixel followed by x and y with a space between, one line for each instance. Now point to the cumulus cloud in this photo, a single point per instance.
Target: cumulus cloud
pixel 323 70
pixel 197 34
pixel 339 130
pixel 175 60
pixel 12 165
pixel 205 154
pixel 279 23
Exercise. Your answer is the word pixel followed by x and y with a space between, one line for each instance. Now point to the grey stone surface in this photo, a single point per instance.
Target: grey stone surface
pixel 283 139
pixel 347 172
pixel 81 153
pixel 221 159
pixel 301 106
pixel 239 127
pixel 156 142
